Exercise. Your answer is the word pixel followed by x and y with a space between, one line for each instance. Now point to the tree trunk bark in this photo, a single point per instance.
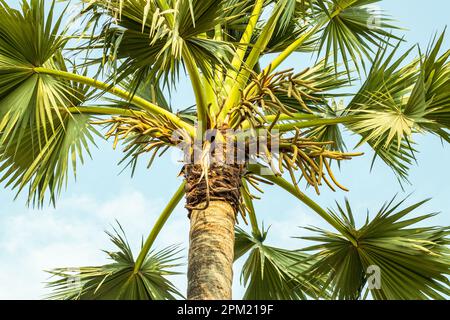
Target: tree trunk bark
pixel 211 252
pixel 213 200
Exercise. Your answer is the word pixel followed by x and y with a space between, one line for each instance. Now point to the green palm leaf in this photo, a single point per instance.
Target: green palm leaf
pixel 379 110
pixel 46 167
pixel 413 261
pixel 39 137
pixel 118 280
pixel 292 25
pixel 399 100
pixel 150 41
pixel 352 27
pixel 30 38
pixel 432 92
pixel 271 273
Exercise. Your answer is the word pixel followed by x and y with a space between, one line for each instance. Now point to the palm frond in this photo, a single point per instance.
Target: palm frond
pixel 411 262
pixel 398 100
pixel 271 273
pixel 282 40
pixel 39 137
pixel 352 28
pixel 380 113
pixel 146 41
pixel 46 168
pixel 30 38
pixel 431 98
pixel 118 280
pixel 293 23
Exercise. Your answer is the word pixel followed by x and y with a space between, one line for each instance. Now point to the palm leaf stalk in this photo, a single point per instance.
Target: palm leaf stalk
pixel 252 124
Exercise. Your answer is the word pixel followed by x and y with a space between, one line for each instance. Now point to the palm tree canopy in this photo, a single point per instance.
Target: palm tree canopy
pixel 53 97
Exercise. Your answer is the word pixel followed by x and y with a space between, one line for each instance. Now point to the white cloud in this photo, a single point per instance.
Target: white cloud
pixel 36 242
pixel 72 235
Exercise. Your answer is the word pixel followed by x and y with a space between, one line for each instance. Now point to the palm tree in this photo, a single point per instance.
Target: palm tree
pixel 53 97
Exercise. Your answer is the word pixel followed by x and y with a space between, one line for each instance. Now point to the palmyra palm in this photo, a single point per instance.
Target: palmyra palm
pixel 128 53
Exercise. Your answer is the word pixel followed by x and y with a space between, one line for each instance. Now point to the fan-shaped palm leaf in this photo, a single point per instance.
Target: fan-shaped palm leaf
pixel 379 109
pixel 352 27
pixel 45 168
pixel 118 280
pixel 38 135
pixel 150 39
pixel 397 101
pixel 413 261
pixel 293 23
pixel 30 38
pixel 431 96
pixel 272 273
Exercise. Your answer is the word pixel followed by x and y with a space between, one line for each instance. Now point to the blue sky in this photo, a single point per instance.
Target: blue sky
pixel 73 234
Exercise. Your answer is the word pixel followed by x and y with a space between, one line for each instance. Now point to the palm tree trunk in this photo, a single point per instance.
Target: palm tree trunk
pixel 211 252
pixel 213 205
